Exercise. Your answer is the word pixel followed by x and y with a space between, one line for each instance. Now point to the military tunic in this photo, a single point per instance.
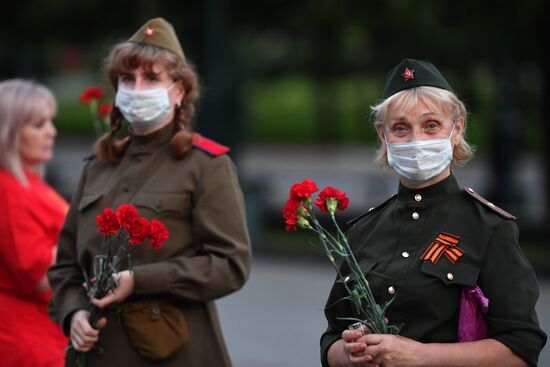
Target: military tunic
pixel 390 241
pixel 207 255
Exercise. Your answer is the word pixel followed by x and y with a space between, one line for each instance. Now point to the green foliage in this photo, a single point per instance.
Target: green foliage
pixel 73 118
pixel 280 109
pixel 284 109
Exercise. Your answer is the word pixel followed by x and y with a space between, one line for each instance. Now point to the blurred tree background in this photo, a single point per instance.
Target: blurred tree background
pixel 304 73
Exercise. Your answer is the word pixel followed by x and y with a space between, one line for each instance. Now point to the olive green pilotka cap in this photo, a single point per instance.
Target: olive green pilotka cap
pixel 411 73
pixel 160 33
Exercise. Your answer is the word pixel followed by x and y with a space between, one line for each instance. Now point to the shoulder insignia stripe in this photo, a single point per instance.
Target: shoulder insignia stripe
pixel 371 210
pixel 89 157
pixel 488 204
pixel 209 146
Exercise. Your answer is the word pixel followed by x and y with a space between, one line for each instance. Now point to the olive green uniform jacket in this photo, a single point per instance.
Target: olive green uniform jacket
pixel 390 240
pixel 207 255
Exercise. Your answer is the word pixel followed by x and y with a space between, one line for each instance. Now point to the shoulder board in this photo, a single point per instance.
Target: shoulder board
pixel 209 146
pixel 488 204
pixel 372 210
pixel 89 157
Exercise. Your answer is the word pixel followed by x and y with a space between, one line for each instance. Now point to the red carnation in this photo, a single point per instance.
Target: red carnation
pixel 104 109
pixel 331 198
pixel 126 215
pixel 107 222
pixel 304 190
pixel 157 233
pixel 90 94
pixel 138 230
pixel 289 214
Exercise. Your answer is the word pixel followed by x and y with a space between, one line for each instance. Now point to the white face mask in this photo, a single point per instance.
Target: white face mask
pixel 144 109
pixel 420 161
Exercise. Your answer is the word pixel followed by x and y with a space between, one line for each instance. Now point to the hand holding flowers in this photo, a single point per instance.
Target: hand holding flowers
pixel 109 284
pixel 298 212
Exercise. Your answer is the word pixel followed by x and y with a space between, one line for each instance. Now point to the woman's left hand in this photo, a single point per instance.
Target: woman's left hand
pixel 392 350
pixel 124 289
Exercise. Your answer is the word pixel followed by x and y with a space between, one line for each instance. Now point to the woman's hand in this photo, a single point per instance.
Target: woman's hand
pixel 83 336
pixel 392 350
pixel 351 350
pixel 124 289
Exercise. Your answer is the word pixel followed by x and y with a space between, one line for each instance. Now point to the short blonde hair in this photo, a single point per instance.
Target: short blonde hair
pixel 436 98
pixel 21 102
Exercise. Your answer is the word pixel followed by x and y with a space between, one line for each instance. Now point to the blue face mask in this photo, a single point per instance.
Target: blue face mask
pixel 420 161
pixel 144 109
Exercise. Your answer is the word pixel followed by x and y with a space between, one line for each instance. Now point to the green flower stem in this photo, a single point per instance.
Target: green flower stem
pixel 94 105
pixel 325 245
pixel 354 266
pixel 374 317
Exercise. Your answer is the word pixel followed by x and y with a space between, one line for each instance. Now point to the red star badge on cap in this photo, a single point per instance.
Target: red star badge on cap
pixel 149 31
pixel 408 74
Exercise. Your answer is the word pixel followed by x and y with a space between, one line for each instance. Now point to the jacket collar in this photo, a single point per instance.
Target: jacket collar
pixel 433 194
pixel 147 144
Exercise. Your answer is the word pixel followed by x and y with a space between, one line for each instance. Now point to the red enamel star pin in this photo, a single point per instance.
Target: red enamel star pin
pixel 408 74
pixel 149 31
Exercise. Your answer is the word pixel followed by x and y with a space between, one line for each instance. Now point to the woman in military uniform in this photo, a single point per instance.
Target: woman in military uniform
pixel 182 179
pixel 431 241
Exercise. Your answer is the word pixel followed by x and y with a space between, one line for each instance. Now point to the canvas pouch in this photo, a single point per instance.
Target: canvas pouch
pixel 156 327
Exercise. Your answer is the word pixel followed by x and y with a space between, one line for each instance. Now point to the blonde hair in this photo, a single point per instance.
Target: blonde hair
pixel 436 98
pixel 129 56
pixel 21 102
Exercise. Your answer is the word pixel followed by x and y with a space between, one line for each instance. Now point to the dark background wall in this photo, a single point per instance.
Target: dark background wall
pixel 304 73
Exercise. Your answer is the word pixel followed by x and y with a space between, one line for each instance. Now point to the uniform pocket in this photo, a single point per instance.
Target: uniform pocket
pixel 88 200
pixel 165 204
pixel 460 273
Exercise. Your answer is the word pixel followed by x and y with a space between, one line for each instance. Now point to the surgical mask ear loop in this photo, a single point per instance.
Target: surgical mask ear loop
pixel 452 131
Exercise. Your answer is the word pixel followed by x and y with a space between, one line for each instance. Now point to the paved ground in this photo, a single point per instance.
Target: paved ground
pixel 277 318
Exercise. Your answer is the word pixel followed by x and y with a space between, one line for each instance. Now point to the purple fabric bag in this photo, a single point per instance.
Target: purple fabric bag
pixel 472 324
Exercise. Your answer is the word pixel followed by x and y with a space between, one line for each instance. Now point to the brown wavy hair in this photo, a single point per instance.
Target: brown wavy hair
pixel 128 56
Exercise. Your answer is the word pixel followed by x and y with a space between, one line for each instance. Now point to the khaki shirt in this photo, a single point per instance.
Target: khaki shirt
pixel 207 255
pixel 389 242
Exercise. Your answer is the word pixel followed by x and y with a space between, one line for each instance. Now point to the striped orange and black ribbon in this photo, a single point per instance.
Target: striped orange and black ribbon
pixel 444 244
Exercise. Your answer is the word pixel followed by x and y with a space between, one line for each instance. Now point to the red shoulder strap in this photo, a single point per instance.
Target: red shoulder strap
pixel 488 204
pixel 209 146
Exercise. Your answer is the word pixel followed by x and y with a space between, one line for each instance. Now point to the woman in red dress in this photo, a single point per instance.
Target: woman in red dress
pixel 31 216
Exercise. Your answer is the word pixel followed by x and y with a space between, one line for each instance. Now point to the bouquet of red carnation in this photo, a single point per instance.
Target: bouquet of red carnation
pixel 99 110
pixel 298 212
pixel 124 230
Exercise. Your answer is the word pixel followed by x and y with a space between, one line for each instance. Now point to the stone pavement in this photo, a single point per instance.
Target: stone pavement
pixel 276 319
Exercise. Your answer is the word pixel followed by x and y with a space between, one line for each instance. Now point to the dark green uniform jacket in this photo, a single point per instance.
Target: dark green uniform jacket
pixel 206 257
pixel 391 240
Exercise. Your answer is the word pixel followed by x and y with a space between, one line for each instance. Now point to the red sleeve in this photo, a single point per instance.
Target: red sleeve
pixel 25 243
